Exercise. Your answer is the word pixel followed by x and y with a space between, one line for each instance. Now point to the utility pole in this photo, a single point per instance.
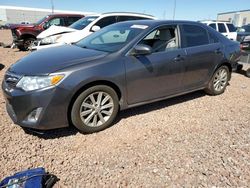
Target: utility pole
pixel 174 9
pixel 52 6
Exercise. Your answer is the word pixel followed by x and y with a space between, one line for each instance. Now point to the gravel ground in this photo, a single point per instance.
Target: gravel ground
pixel 192 140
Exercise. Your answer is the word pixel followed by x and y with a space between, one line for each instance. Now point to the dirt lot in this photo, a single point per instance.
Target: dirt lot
pixel 192 140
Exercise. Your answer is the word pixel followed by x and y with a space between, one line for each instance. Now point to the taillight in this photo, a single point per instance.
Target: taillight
pixel 241 47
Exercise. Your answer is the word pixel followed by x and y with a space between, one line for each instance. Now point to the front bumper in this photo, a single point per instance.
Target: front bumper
pixel 38 46
pixel 53 101
pixel 18 42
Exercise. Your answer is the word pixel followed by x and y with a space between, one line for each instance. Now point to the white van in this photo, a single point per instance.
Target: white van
pixel 57 35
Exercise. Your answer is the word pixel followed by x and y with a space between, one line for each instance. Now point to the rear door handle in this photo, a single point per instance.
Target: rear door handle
pixel 218 51
pixel 179 58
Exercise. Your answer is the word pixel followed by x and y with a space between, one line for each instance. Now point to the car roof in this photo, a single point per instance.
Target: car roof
pixel 219 21
pixel 160 22
pixel 127 14
pixel 66 14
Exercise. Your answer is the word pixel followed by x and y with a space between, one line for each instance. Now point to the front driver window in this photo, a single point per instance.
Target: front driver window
pixel 55 21
pixel 161 39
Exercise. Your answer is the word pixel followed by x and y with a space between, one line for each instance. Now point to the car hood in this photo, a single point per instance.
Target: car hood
pixel 73 37
pixel 14 26
pixel 54 30
pixel 50 60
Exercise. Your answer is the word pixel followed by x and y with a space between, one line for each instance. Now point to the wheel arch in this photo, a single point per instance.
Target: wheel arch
pixel 91 84
pixel 229 66
pixel 26 36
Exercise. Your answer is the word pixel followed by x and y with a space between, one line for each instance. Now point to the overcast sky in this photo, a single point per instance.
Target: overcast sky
pixel 185 9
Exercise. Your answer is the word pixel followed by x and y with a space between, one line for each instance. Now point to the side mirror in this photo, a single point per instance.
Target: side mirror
pixel 45 25
pixel 242 30
pixel 95 28
pixel 141 49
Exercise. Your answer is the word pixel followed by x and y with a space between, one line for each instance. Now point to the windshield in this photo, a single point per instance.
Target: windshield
pixel 42 20
pixel 82 23
pixel 112 38
pixel 247 28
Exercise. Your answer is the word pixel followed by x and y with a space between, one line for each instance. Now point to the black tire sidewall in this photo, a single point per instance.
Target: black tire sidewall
pixel 75 116
pixel 23 47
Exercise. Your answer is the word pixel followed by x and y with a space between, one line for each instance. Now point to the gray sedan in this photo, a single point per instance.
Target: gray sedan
pixel 121 66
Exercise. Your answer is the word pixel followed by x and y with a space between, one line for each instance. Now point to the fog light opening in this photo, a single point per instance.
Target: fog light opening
pixel 34 115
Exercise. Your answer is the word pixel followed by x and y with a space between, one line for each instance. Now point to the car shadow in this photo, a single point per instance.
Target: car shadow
pixel 69 131
pixel 52 134
pixel 1 66
pixel 159 105
pixel 242 72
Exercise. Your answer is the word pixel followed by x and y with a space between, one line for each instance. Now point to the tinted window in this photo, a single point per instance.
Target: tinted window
pixel 127 18
pixel 247 28
pixel 194 36
pixel 231 28
pixel 213 26
pixel 71 20
pixel 106 21
pixel 222 28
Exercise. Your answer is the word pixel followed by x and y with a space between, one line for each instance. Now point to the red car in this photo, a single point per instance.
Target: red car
pixel 25 34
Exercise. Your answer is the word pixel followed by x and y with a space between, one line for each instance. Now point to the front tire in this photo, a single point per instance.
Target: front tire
pixel 95 109
pixel 26 44
pixel 218 83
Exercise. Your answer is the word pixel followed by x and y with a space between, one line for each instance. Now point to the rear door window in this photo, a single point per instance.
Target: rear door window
pixel 222 28
pixel 106 21
pixel 127 18
pixel 193 35
pixel 213 25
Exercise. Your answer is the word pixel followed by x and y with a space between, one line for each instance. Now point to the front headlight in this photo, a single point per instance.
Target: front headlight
pixel 30 83
pixel 51 39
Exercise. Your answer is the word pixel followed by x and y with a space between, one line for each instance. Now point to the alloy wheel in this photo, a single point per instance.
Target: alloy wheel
pixel 96 109
pixel 220 80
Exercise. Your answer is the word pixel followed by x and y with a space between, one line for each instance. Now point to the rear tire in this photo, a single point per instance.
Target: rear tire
pixel 95 109
pixel 219 81
pixel 26 44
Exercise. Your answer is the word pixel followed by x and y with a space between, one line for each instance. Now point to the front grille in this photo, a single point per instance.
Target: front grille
pixel 11 79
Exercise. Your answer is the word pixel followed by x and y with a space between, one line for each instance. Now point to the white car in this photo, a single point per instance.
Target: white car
pixel 57 35
pixel 225 28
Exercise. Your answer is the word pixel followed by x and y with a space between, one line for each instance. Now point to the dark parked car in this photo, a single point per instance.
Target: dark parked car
pixel 245 43
pixel 5 26
pixel 121 66
pixel 25 34
pixel 242 32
